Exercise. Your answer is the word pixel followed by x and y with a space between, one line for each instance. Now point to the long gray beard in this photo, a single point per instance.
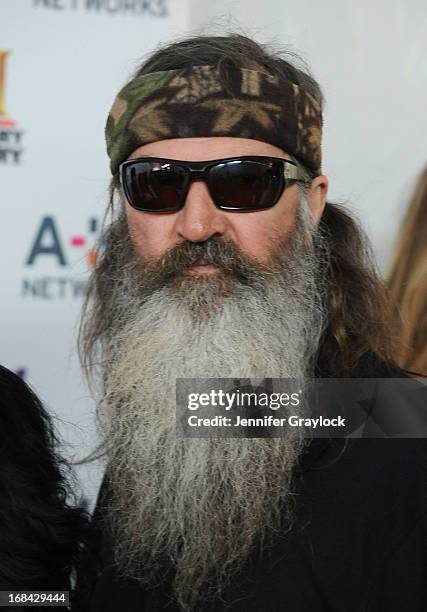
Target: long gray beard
pixel 199 507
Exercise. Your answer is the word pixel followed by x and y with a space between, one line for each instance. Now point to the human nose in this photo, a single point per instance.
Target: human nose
pixel 200 219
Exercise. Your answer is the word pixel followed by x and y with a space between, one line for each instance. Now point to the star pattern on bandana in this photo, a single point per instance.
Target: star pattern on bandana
pixel 196 102
pixel 150 122
pixel 231 112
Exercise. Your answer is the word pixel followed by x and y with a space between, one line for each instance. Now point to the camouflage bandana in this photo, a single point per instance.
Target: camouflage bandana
pixel 207 101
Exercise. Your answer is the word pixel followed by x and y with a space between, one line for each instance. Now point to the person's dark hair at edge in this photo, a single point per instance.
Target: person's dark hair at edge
pixel 41 533
pixel 358 308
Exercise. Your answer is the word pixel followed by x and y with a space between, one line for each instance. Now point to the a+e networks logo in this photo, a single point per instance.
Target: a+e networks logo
pixel 131 8
pixel 10 134
pixel 52 250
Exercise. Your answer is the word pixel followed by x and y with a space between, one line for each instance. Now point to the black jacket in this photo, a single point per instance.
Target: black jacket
pixel 359 541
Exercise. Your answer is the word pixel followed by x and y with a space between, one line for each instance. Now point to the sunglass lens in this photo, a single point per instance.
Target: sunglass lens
pixel 246 184
pixel 154 186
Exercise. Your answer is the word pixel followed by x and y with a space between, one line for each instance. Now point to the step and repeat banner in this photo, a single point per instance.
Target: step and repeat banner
pixel 61 64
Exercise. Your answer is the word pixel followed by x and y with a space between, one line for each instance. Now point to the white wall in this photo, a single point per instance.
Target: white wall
pixel 370 58
pixel 68 58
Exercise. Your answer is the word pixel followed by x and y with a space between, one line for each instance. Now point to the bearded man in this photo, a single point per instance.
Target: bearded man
pixel 224 259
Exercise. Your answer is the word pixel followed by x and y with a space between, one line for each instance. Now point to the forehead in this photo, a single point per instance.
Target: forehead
pixel 202 149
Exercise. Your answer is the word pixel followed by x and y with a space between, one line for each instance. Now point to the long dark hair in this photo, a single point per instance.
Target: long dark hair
pixel 41 525
pixel 358 307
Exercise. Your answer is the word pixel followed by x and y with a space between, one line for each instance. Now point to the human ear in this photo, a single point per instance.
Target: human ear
pixel 316 197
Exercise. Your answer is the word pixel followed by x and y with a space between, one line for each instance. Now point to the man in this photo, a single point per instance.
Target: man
pixel 224 259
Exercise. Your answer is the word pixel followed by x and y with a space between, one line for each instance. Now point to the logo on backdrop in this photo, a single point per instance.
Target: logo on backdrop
pixel 10 134
pixel 132 8
pixel 51 246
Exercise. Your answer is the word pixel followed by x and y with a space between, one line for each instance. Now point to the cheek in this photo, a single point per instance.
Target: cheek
pixel 149 233
pixel 258 233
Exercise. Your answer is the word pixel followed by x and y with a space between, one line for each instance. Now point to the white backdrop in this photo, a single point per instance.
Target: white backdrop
pixel 66 61
pixel 63 72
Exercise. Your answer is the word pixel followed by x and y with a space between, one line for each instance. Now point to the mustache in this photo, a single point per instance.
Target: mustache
pixel 221 252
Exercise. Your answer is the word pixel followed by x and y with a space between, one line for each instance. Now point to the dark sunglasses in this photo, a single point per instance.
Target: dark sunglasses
pixel 155 184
